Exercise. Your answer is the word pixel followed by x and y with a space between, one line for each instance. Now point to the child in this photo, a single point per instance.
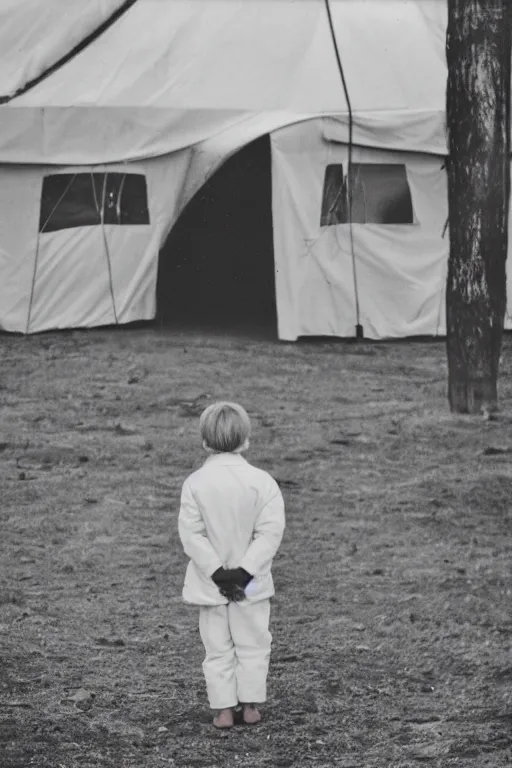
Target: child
pixel 231 523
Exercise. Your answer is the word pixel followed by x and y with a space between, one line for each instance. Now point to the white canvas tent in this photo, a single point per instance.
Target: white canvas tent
pixel 100 157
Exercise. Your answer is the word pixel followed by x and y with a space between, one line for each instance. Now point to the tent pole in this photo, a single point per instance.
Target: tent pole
pixel 359 327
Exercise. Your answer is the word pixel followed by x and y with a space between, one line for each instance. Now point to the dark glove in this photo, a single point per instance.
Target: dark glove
pixel 232 583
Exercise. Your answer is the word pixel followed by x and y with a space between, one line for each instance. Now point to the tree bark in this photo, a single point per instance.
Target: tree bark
pixel 478 49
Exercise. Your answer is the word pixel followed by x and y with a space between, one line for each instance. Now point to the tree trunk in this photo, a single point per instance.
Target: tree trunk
pixel 478 49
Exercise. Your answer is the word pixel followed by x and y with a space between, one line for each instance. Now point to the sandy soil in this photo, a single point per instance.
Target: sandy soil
pixel 392 621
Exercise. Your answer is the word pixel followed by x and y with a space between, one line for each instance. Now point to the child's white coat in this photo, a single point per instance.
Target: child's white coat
pixel 231 515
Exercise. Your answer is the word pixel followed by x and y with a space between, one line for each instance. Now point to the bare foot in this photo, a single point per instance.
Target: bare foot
pixel 251 714
pixel 224 719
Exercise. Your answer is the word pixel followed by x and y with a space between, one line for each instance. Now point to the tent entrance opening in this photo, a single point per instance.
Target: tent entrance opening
pixel 216 267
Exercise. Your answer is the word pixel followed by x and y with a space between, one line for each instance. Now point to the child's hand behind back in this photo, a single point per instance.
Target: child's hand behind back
pixel 232 582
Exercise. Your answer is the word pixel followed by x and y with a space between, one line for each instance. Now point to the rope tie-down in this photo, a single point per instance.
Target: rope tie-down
pixel 359 327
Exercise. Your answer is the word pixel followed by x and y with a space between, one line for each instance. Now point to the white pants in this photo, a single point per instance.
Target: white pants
pixel 237 642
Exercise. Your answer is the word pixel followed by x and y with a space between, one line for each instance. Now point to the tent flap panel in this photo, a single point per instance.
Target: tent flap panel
pixel 421 130
pixel 20 191
pixel 398 260
pixel 133 255
pixel 71 281
pixel 90 273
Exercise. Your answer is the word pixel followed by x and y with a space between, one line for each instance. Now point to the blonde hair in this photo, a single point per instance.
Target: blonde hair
pixel 225 427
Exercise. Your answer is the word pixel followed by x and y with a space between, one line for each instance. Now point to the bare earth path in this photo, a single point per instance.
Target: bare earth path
pixel 392 622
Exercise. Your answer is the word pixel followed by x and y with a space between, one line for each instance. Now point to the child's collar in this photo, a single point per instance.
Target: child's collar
pixel 225 458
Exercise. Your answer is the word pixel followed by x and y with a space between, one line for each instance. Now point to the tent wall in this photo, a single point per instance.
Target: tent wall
pixel 400 269
pixel 20 193
pixel 95 275
pixel 82 276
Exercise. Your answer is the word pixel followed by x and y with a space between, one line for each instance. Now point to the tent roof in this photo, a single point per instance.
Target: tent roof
pixel 240 54
pixel 209 65
pixel 35 35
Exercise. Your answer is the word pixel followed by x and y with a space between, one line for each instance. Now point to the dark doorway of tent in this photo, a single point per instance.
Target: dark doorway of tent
pixel 216 268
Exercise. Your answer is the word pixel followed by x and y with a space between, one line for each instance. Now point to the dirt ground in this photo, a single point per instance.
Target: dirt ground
pixel 392 621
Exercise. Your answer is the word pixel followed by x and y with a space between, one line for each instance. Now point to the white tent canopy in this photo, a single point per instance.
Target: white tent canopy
pixel 171 89
pixel 211 66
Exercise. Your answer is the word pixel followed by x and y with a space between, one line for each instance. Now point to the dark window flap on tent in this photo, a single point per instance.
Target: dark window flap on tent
pixel 68 200
pixel 78 199
pixel 380 195
pixel 126 199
